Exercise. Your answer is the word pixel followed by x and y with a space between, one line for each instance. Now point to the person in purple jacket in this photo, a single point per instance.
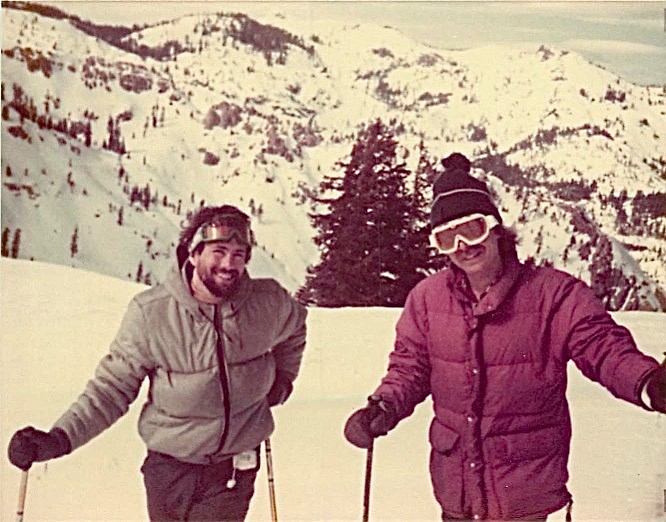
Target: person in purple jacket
pixel 490 339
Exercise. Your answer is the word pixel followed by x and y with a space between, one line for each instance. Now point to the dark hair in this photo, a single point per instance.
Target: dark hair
pixel 203 215
pixel 507 241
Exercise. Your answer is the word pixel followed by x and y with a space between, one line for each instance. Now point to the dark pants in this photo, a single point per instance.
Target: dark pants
pixel 446 518
pixel 178 491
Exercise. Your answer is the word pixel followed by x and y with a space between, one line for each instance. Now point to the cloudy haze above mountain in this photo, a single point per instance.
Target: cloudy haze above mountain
pixel 625 37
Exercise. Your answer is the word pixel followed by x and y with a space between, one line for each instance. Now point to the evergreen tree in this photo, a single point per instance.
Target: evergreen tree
pixel 88 134
pixel 16 243
pixel 5 242
pixel 115 141
pixel 365 236
pixel 426 259
pixel 601 269
pixel 111 130
pixel 74 244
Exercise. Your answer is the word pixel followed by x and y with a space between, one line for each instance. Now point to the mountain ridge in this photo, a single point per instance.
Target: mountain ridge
pixel 257 116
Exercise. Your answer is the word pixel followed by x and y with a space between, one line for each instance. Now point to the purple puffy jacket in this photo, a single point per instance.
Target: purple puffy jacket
pixel 496 370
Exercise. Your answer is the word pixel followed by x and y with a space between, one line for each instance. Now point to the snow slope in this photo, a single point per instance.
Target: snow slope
pixel 56 322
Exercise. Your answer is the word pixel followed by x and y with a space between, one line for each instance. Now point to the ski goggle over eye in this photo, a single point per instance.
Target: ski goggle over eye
pixel 221 229
pixel 472 230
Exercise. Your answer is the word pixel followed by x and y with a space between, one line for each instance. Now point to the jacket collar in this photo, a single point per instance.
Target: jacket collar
pixel 496 293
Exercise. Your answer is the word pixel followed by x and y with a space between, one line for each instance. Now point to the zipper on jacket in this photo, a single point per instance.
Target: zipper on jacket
pixel 224 380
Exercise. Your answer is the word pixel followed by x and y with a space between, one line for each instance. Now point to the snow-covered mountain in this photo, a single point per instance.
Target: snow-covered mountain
pixel 110 135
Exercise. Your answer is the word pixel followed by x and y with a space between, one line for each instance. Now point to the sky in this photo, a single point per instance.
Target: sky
pixel 629 38
pixel 51 345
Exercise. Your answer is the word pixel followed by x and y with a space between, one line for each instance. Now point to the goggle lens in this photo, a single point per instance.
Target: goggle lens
pixel 223 228
pixel 222 232
pixel 471 229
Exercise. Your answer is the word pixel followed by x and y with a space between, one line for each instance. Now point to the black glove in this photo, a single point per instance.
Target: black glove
pixel 30 445
pixel 281 389
pixel 656 390
pixel 376 419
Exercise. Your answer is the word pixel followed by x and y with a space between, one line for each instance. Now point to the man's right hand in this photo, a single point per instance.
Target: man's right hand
pixel 29 445
pixel 364 425
pixel 656 389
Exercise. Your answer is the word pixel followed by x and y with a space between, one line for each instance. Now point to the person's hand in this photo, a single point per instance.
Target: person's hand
pixel 281 389
pixel 656 390
pixel 375 420
pixel 29 445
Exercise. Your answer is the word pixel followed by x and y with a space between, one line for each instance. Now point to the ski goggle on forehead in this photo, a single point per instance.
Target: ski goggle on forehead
pixel 222 229
pixel 472 230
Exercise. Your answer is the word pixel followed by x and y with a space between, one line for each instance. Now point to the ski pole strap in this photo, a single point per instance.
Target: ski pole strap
pixel 569 515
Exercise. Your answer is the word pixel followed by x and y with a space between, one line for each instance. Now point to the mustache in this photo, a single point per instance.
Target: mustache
pixel 230 271
pixel 226 288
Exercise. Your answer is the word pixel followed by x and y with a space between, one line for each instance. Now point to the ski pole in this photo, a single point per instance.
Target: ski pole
pixel 21 498
pixel 271 479
pixel 368 476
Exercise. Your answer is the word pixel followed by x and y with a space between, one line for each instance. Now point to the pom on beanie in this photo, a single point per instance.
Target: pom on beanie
pixel 456 193
pixel 456 161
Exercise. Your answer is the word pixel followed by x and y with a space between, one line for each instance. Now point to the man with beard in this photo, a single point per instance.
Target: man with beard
pixel 219 349
pixel 489 339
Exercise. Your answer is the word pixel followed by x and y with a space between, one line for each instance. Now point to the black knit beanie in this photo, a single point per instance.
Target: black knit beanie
pixel 457 194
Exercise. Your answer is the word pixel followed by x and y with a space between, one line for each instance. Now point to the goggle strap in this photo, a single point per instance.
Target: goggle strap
pixel 491 221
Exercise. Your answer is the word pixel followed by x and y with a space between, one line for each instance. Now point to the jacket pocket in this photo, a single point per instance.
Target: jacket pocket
pixel 189 439
pixel 446 467
pixel 442 438
pixel 531 445
pixel 250 381
pixel 187 395
pixel 529 470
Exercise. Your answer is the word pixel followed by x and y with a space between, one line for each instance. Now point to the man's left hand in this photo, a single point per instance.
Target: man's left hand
pixel 281 389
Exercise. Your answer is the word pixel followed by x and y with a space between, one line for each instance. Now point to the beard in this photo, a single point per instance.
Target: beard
pixel 224 289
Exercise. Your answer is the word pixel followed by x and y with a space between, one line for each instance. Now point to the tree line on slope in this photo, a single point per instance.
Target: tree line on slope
pixel 371 224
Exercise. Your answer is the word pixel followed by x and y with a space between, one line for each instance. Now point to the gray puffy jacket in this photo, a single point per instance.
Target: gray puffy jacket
pixel 210 369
